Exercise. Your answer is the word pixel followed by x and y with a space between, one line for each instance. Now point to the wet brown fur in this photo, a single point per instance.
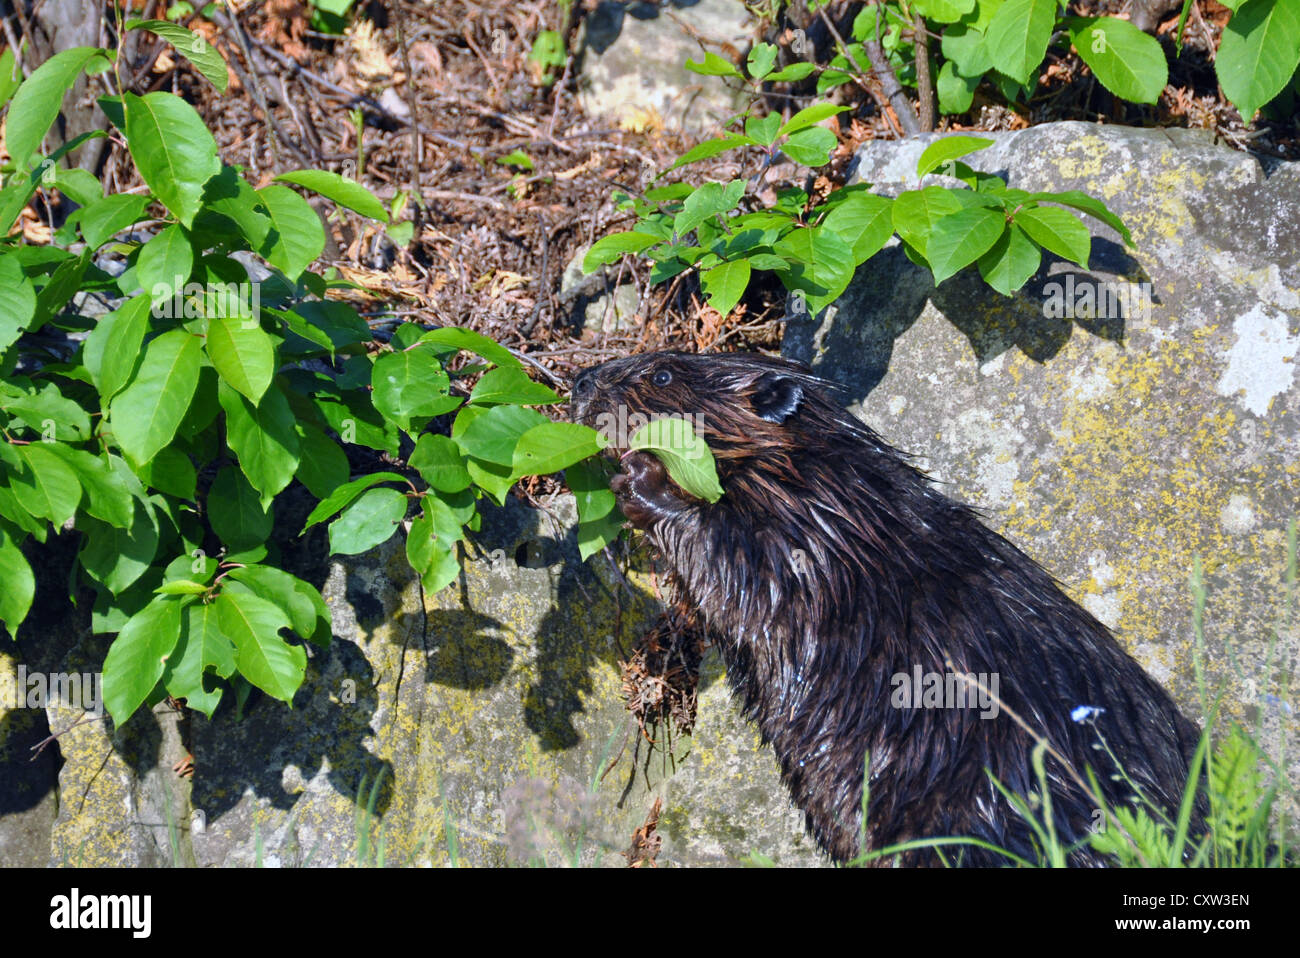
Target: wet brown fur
pixel 831 565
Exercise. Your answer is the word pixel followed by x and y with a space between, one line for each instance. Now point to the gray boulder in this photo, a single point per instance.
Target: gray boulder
pixel 482 725
pixel 633 62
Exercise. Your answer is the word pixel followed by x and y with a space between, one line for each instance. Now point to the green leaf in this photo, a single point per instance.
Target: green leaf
pixel 440 462
pixel 288 591
pixel 607 249
pixel 472 342
pixel 19 582
pixel 1018 34
pixel 172 149
pixel 944 11
pixel 236 512
pixel 190 45
pixel 45 410
pixel 202 646
pixel 1011 261
pixel 1258 55
pixel 949 148
pixel 113 347
pixel 599 520
pixel 372 519
pixel 810 147
pixel 822 265
pixel 411 383
pixel 11 75
pixel 18 305
pixel 339 323
pixel 243 354
pixel 791 74
pixel 322 465
pixel 725 284
pixel 916 211
pixel 340 189
pixel 686 456
pixel 707 201
pixel 62 286
pixel 263 437
pixel 46 486
pixel 138 656
pixel 171 471
pixel 810 116
pixel 146 413
pixel 518 159
pixel 116 557
pixel 552 446
pixel 1093 207
pixel 431 544
pixel 1057 230
pixel 181 587
pixel 102 219
pixel 760 61
pixel 956 92
pixel 511 385
pixel 966 48
pixel 1128 62
pixel 107 494
pixel 713 66
pixel 345 493
pixel 164 264
pixel 36 104
pixel 79 185
pixel 763 130
pixel 492 435
pixel 865 221
pixel 253 625
pixel 709 149
pixel 299 237
pixel 231 207
pixel 354 418
pixel 960 238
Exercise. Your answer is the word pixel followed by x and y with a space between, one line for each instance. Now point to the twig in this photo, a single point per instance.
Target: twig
pixel 466 197
pixel 417 143
pixel 883 72
pixel 542 285
pixel 924 84
pixel 354 98
pixel 250 78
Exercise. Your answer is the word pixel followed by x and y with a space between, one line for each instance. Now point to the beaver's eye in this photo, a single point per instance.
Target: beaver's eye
pixel 662 378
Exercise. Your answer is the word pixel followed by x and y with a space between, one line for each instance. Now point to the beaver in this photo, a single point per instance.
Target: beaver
pixel 837 580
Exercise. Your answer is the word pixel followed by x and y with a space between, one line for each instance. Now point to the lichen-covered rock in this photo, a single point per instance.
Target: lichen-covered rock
pixel 1122 443
pixel 634 55
pixel 490 716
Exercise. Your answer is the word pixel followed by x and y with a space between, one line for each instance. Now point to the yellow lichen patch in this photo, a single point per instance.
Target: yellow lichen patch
pixel 1141 474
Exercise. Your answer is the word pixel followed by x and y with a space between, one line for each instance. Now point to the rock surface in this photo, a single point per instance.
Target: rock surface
pixel 1121 447
pixel 488 714
pixel 634 55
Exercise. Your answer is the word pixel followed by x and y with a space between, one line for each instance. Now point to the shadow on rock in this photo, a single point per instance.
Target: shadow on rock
pixel 854 345
pixel 329 721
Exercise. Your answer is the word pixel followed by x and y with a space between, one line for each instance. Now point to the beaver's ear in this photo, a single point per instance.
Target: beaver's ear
pixel 776 397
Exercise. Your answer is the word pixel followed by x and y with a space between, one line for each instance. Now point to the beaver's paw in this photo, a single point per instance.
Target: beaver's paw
pixel 643 490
